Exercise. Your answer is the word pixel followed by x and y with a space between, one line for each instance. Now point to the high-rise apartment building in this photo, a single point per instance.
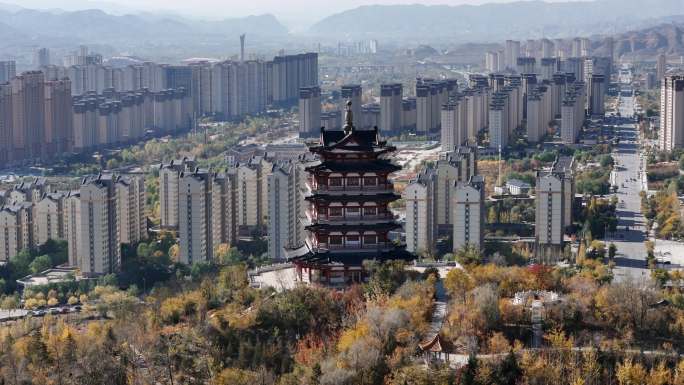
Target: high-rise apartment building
pixel 512 53
pixel 283 210
pixel 671 113
pixel 16 229
pixel 547 48
pixel 98 243
pixel 421 221
pixel 391 108
pixel 539 112
pixel 223 201
pixel 549 66
pixel 8 70
pixel 169 179
pixel 72 225
pixel 526 65
pixel 309 111
pixel 596 95
pixel 6 123
pixel 661 60
pixel 195 214
pixel 58 118
pixel 573 112
pixel 41 58
pixel 49 218
pixel 28 112
pixel 454 123
pixel 492 61
pixel 292 72
pixel 454 166
pixel 554 199
pixel 131 215
pixel 468 213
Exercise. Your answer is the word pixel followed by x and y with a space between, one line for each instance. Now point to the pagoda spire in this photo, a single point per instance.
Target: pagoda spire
pixel 349 118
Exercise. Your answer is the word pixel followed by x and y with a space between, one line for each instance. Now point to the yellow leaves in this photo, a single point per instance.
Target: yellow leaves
pixel 558 340
pixel 659 375
pixel 458 283
pixel 630 373
pixel 350 336
pixel 233 376
pixel 498 343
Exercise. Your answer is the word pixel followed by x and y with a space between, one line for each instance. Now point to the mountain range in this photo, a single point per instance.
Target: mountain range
pixel 496 21
pixel 29 25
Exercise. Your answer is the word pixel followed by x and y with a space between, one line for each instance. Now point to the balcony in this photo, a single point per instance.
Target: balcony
pixel 355 219
pixel 355 247
pixel 325 189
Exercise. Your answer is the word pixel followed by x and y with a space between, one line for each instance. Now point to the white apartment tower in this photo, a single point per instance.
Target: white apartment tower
pixel 169 174
pixel 554 196
pixel 469 213
pixel 98 243
pixel 195 213
pixel 454 124
pixel 283 213
pixel 309 111
pixel 421 223
pixel 49 221
pixel 672 113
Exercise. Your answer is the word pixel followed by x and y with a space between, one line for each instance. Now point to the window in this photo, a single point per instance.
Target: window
pixel 370 239
pixel 335 182
pixel 370 211
pixel 335 239
pixel 370 181
pixel 353 211
pixel 353 239
pixel 353 181
pixel 335 211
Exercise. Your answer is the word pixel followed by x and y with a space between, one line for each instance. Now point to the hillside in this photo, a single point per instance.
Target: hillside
pixel 490 22
pixel 99 26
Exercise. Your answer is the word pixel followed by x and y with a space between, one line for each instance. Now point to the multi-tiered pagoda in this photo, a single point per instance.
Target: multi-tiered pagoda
pixel 349 219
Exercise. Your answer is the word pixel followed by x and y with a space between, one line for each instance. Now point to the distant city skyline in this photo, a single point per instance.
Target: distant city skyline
pixel 295 14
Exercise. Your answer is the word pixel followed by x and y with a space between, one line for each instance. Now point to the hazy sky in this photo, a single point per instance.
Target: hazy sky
pixel 291 12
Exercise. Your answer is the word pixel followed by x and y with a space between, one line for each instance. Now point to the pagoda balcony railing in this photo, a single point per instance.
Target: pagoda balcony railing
pixel 334 189
pixel 353 219
pixel 336 247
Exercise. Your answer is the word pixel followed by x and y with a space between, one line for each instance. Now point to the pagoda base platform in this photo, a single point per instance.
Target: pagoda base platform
pixel 337 269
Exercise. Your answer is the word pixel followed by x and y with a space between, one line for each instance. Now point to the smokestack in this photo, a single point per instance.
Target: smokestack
pixel 242 47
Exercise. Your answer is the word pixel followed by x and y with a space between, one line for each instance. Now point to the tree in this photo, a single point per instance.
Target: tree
pixel 458 283
pixel 612 250
pixel 607 161
pixel 468 255
pixel 40 264
pixel 630 373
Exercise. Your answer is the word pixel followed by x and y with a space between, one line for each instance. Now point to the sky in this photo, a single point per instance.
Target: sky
pixel 291 12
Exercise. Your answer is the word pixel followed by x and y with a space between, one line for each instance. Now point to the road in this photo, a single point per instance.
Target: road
pixel 631 251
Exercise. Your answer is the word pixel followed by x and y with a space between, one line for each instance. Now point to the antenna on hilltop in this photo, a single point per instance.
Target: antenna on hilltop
pixel 242 47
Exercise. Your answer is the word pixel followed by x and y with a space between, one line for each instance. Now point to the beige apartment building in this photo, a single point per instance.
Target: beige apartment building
pixel 16 229
pixel 49 219
pixel 132 218
pixel 169 174
pixel 469 213
pixel 98 244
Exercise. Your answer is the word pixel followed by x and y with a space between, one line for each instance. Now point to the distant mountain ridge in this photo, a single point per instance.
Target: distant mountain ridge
pixel 496 21
pixel 97 25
